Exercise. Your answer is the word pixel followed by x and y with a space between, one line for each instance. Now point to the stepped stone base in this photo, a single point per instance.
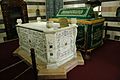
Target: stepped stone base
pixel 59 73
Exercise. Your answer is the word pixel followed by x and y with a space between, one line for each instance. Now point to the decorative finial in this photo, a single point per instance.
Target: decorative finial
pixel 19 21
pixel 38 19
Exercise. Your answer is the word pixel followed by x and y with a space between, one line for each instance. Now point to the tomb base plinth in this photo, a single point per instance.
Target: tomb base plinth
pixel 58 73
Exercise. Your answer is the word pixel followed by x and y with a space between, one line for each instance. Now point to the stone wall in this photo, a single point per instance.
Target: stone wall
pixel 32 5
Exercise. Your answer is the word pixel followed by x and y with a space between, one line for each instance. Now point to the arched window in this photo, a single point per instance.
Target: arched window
pixel 118 12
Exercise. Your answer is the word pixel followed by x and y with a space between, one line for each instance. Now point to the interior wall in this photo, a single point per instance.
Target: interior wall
pixel 74 3
pixel 109 10
pixel 32 5
pixel 2 27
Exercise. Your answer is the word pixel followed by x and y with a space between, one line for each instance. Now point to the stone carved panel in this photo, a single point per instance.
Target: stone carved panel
pixel 54 48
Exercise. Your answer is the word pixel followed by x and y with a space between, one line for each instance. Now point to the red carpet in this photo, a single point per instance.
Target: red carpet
pixel 104 63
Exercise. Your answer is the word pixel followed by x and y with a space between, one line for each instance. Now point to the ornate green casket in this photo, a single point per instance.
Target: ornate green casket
pixel 90 26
